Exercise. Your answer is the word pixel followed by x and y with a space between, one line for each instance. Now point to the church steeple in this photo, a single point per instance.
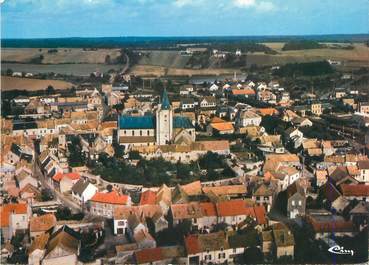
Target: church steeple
pixel 165 103
pixel 164 121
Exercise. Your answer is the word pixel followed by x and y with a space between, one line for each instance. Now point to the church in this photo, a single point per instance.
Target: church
pixel 162 128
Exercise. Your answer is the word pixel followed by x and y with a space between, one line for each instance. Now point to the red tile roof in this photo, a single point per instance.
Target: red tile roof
pixel 208 209
pixel 192 244
pixel 148 197
pixel 243 92
pixel 260 214
pixel 148 255
pixel 42 223
pixel 110 197
pixel 59 176
pixel 233 208
pixel 8 209
pixel 355 190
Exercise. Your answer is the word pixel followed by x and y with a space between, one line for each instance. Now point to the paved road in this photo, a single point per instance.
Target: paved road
pixel 126 67
pixel 75 208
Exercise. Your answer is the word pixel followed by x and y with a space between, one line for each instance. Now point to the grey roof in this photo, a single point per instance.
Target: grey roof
pixel 80 186
pixel 187 101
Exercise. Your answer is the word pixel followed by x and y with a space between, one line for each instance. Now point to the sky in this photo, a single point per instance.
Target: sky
pixel 113 18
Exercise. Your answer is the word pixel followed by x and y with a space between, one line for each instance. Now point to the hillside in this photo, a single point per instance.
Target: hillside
pixel 17 83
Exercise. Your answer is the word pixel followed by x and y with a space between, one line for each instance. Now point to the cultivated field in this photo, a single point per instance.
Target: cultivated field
pixel 62 56
pixel 164 58
pixel 13 83
pixel 64 69
pixel 152 70
pixel 359 55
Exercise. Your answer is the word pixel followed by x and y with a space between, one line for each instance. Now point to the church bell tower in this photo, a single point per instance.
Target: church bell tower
pixel 164 121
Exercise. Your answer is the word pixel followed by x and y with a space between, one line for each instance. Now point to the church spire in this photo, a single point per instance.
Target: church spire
pixel 165 104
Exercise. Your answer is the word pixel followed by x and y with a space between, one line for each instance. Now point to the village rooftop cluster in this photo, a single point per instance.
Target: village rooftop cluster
pixel 240 172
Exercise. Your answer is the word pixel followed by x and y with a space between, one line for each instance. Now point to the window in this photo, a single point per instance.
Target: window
pixel 300 203
pixel 133 133
pixel 140 132
pixel 293 203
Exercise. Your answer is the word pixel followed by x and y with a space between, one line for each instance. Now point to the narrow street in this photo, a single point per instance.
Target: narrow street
pixel 75 208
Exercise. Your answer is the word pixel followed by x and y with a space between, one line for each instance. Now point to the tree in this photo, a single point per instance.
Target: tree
pixel 107 59
pixel 134 155
pixel 46 195
pixel 252 255
pixel 50 90
pixel 9 71
pixel 63 213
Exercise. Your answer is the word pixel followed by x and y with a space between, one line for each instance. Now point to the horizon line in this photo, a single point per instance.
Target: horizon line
pixel 191 36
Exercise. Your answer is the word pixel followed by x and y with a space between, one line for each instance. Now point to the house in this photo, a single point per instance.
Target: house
pixel 208 102
pixel 135 224
pixel 219 126
pixel 24 178
pixel 243 93
pixel 359 192
pixel 83 190
pixel 339 175
pixel 229 191
pixel 213 87
pixel 325 224
pixel 359 215
pixel 124 223
pixel 38 225
pixel 301 122
pixel 65 181
pixel 14 218
pixel 158 222
pixel 186 211
pixel 247 118
pixel 62 247
pixel 316 108
pixel 234 212
pixel 30 194
pixel 266 96
pixel 294 135
pixel 240 242
pixel 284 176
pixel 187 104
pixel 207 248
pixel 264 195
pixel 363 167
pixel 164 198
pixel 321 176
pixel 7 250
pixel 363 107
pixel 284 241
pixel 267 241
pixel 143 239
pixel 160 255
pixel 186 89
pixel 105 203
pixel 148 197
pixel 271 144
pixel 37 249
pixel 267 111
pixel 296 201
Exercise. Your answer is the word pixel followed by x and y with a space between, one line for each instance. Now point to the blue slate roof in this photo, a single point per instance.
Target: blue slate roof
pixel 139 122
pixel 165 104
pixel 182 122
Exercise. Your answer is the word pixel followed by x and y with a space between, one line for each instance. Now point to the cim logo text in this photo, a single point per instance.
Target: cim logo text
pixel 340 250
